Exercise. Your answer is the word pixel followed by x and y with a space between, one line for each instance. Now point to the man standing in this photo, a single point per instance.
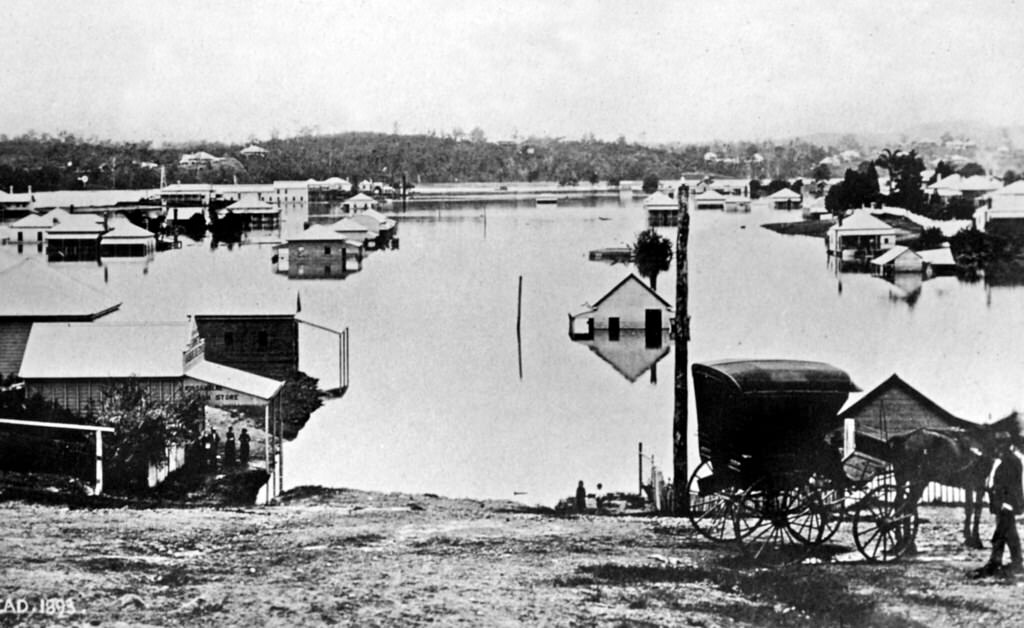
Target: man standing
pixel 1006 501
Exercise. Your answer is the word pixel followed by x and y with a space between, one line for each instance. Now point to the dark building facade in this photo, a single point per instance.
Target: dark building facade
pixel 267 345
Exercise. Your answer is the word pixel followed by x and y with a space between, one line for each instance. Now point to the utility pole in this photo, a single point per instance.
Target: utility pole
pixel 680 470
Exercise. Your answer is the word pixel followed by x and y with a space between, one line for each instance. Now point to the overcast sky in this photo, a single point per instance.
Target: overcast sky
pixel 655 71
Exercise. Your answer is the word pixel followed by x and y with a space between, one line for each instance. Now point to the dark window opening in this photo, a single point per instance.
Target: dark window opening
pixel 262 340
pixel 229 340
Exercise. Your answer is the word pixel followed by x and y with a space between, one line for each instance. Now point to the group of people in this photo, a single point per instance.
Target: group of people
pixel 235 452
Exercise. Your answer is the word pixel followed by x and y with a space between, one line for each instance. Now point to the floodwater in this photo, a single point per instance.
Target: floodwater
pixel 446 398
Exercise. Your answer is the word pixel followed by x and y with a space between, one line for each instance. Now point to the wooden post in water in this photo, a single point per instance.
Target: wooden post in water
pixel 519 319
pixel 640 469
pixel 680 421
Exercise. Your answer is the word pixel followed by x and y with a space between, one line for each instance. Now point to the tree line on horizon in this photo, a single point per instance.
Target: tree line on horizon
pixel 62 162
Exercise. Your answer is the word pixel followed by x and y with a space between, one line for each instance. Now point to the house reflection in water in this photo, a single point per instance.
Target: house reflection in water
pixel 628 328
pixel 631 354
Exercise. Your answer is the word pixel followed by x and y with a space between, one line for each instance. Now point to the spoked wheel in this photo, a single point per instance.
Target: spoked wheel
pixel 711 507
pixel 821 518
pixel 765 519
pixel 885 524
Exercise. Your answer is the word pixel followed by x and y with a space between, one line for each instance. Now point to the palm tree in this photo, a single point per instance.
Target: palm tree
pixel 652 255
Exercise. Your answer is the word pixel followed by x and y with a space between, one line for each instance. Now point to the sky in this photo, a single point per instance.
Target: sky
pixel 651 71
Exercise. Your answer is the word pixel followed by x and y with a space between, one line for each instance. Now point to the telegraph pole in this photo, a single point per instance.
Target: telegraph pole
pixel 680 473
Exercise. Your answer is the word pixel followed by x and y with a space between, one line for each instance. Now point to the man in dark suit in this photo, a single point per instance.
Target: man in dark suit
pixel 1006 501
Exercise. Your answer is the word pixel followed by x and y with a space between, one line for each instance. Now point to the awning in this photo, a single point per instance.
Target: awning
pixel 235 379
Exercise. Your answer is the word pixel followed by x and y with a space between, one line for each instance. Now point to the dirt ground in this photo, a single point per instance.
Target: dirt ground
pixel 340 557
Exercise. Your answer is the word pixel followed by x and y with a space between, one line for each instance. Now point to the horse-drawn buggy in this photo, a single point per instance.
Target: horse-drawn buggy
pixel 772 476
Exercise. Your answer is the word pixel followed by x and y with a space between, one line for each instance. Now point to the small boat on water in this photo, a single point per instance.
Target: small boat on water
pixel 614 254
pixel 547 199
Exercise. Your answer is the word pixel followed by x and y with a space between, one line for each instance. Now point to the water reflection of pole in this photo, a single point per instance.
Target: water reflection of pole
pixel 519 318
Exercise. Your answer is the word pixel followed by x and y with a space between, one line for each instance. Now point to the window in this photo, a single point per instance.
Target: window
pixel 327 250
pixel 229 340
pixel 262 340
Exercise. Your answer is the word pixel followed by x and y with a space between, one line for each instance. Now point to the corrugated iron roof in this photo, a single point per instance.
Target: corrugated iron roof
pixel 33 290
pixel 234 379
pixel 99 350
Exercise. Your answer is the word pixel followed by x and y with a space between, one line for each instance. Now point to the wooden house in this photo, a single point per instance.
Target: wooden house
pixel 898 259
pixel 31 229
pixel 352 230
pixel 786 199
pixel 359 202
pixel 75 238
pixel 709 199
pixel 895 407
pixel 127 240
pixel 164 358
pixel 630 305
pixel 860 236
pixel 320 252
pixel 44 295
pixel 662 210
pixel 255 214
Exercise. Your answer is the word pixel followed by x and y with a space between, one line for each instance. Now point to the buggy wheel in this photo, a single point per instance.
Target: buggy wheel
pixel 711 510
pixel 765 517
pixel 885 524
pixel 819 520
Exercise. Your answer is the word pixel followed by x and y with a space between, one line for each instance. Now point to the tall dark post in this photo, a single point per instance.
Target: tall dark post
pixel 403 192
pixel 680 420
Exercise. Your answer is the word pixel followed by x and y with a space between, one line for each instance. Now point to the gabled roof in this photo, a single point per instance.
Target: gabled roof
pixel 660 199
pixel 347 225
pixel 77 224
pixel 938 257
pixel 892 254
pixel 128 231
pixel 371 224
pixel 384 222
pixel 862 221
pixel 44 221
pixel 43 293
pixel 709 195
pixel 318 233
pixel 103 350
pixel 252 206
pixel 895 381
pixel 951 182
pixel 359 198
pixel 784 194
pixel 253 149
pixel 631 277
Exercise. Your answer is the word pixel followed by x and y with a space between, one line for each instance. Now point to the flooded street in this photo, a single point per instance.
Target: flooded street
pixel 445 399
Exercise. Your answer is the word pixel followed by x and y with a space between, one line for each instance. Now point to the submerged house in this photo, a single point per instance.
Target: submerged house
pixel 255 213
pixel 359 202
pixel 127 240
pixel 75 239
pixel 662 210
pixel 860 236
pixel 898 259
pixel 33 227
pixel 44 295
pixel 352 230
pixel 786 199
pixel 709 199
pixel 630 305
pixel 319 252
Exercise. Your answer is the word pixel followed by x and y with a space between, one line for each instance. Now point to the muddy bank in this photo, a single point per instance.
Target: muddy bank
pixel 354 558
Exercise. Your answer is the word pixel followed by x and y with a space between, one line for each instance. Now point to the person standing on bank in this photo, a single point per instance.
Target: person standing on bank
pixel 243 448
pixel 581 498
pixel 229 448
pixel 1006 501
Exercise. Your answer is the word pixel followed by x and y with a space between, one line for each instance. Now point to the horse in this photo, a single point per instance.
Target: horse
pixel 957 458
